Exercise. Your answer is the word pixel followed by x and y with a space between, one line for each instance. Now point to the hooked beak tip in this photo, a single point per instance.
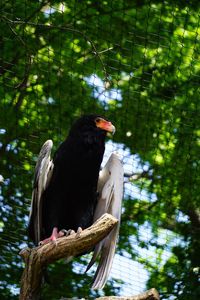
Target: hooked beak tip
pixel 113 129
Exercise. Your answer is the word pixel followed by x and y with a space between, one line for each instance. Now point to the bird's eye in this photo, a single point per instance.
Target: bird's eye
pixel 98 120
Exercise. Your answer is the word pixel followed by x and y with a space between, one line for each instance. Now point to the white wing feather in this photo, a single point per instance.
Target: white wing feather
pixel 110 188
pixel 43 172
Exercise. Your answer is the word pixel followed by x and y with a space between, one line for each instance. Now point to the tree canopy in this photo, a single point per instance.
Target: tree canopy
pixel 137 62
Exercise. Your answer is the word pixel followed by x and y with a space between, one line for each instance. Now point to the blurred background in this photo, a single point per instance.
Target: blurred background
pixel 137 63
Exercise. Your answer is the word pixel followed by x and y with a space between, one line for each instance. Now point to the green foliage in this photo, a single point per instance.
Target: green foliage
pixel 148 52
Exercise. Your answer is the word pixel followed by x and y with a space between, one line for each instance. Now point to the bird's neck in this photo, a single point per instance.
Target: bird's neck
pixel 82 155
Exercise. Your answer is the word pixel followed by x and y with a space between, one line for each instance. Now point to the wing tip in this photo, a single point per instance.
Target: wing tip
pixel 49 143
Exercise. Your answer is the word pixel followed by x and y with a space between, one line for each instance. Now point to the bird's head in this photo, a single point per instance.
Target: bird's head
pixel 94 123
pixel 104 124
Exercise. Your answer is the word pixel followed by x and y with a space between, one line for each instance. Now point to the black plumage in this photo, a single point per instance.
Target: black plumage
pixel 65 192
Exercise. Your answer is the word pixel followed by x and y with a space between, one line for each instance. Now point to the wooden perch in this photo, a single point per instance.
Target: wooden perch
pixel 151 294
pixel 37 258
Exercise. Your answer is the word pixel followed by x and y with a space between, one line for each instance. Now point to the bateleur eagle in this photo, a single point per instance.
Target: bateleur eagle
pixel 70 192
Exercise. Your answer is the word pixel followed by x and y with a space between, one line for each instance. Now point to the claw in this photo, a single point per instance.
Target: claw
pixel 71 231
pixel 78 233
pixel 65 232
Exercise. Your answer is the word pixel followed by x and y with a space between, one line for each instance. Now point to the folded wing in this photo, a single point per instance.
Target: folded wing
pixel 110 188
pixel 43 172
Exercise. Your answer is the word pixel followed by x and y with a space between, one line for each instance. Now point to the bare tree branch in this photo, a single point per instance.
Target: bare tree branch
pixel 136 176
pixel 62 28
pixel 151 294
pixel 38 258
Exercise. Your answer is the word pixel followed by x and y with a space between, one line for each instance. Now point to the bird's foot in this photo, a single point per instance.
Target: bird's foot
pixel 65 232
pixel 55 234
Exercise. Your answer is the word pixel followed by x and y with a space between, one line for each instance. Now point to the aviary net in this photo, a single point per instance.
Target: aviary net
pixel 137 63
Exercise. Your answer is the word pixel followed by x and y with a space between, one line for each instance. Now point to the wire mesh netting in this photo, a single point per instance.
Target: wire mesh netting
pixel 137 63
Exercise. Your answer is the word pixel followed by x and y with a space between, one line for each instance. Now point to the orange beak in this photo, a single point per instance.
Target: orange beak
pixel 105 125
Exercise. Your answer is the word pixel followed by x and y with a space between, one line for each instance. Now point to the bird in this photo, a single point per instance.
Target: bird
pixel 71 191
